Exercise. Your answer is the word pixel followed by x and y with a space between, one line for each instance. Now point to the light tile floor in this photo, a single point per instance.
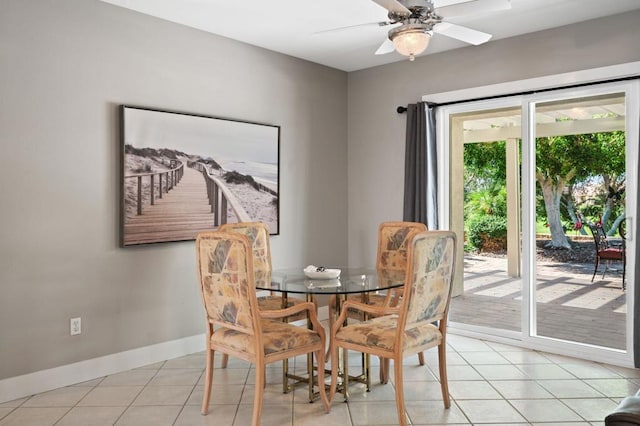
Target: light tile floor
pixel 490 384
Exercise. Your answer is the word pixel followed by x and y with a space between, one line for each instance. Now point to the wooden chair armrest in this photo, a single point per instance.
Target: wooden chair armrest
pixel 310 307
pixel 291 310
pixel 376 310
pixel 370 309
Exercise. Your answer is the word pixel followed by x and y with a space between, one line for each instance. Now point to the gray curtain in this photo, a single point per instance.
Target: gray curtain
pixel 421 168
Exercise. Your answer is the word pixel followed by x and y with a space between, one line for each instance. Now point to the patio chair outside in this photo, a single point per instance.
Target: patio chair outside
pixel 607 252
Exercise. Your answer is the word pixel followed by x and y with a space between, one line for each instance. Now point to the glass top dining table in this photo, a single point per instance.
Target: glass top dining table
pixel 350 281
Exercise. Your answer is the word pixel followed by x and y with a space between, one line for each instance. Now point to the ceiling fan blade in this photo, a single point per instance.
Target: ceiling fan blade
pixel 386 47
pixel 461 33
pixel 393 6
pixel 349 27
pixel 473 7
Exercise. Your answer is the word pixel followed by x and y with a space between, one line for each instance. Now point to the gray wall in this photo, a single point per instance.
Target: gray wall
pixel 377 132
pixel 65 66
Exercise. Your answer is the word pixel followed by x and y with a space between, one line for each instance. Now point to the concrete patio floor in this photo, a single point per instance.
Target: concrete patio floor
pixel 569 305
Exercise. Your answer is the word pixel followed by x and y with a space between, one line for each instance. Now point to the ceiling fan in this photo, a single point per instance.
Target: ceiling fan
pixel 419 19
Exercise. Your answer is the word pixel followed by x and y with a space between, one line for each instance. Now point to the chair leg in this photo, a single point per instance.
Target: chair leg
pixel 596 268
pixel 208 379
pixel 397 369
pixel 335 366
pixel 259 393
pixel 225 360
pixel 285 375
pixel 321 385
pixel 332 313
pixel 442 366
pixel 384 371
pixel 421 358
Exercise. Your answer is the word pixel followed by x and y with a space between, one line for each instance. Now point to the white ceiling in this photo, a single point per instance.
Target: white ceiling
pixel 291 26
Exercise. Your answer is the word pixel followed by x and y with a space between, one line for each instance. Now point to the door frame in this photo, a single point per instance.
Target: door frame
pixel 526 337
pixel 630 89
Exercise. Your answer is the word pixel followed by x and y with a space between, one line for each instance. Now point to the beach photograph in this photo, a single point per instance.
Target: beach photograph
pixel 184 173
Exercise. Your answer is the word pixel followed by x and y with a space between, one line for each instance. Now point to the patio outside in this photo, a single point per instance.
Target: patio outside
pixel 569 306
pixel 573 171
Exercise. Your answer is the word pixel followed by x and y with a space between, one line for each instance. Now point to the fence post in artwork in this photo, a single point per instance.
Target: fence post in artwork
pixel 214 207
pixel 139 195
pixel 210 194
pixel 219 196
pixel 223 210
pixel 152 190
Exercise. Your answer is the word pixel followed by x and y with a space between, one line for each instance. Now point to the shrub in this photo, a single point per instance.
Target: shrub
pixel 491 201
pixel 235 177
pixel 488 233
pixel 146 168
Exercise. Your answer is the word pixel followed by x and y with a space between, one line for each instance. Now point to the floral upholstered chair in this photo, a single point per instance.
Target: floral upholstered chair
pixel 391 263
pixel 235 324
pixel 393 239
pixel 258 234
pixel 408 328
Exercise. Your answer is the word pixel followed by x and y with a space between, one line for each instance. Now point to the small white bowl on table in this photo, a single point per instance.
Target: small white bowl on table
pixel 327 274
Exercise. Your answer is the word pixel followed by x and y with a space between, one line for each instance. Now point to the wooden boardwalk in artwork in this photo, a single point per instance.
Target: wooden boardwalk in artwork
pixel 179 215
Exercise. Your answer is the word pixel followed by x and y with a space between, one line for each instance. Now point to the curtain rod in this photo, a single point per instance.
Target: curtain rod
pixel 531 92
pixel 403 109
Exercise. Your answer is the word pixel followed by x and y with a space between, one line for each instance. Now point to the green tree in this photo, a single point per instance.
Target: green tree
pixel 485 207
pixel 562 161
pixel 485 165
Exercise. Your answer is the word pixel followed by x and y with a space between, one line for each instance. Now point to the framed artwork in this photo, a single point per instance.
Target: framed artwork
pixel 186 173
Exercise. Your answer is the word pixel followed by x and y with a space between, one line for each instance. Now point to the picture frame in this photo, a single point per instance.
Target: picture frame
pixel 184 173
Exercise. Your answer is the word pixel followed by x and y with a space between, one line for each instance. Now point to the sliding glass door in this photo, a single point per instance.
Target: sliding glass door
pixel 532 179
pixel 581 195
pixel 485 194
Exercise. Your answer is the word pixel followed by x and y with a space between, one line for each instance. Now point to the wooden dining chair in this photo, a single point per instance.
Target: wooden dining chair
pixel 258 235
pixel 236 326
pixel 391 257
pixel 391 262
pixel 408 328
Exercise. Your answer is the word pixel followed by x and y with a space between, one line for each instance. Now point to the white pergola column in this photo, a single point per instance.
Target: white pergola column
pixel 456 196
pixel 513 207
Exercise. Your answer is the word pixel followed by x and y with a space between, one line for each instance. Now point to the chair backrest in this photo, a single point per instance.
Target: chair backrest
pixel 225 271
pixel 393 239
pixel 429 278
pixel 258 235
pixel 599 236
pixel 622 229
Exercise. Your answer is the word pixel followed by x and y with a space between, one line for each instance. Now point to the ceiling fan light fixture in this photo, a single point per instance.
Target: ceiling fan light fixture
pixel 410 40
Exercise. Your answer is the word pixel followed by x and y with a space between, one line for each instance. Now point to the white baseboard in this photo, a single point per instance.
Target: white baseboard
pixel 65 375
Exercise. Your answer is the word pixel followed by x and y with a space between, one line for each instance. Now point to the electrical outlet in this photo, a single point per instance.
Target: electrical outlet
pixel 75 326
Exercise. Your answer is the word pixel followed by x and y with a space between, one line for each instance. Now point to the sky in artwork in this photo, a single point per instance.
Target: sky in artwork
pixel 222 140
